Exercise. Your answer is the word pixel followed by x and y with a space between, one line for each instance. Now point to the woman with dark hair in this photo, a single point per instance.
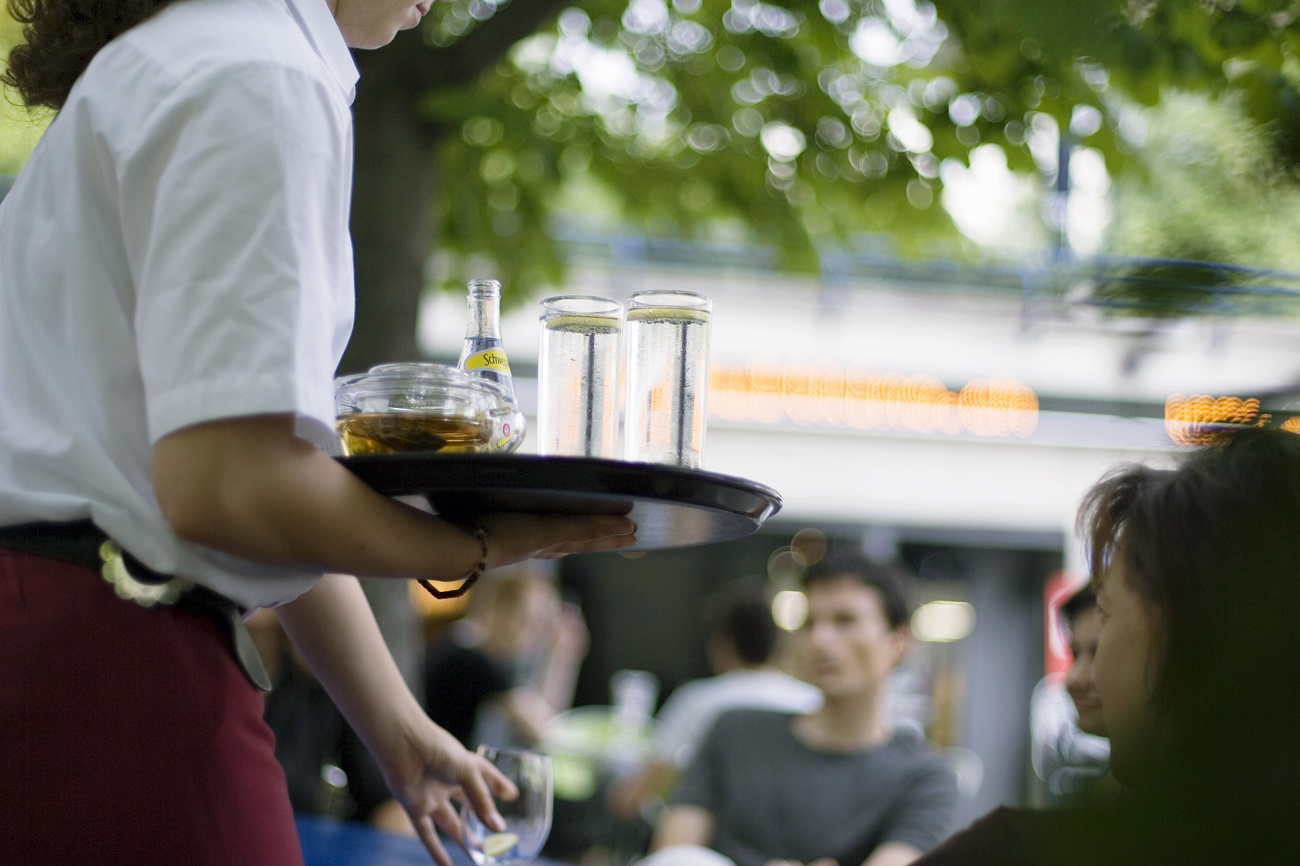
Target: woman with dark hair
pixel 175 294
pixel 1197 575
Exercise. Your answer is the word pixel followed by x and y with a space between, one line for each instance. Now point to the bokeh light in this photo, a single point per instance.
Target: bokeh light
pixel 826 395
pixel 943 621
pixel 790 609
pixel 1197 420
pixel 785 566
pixel 811 544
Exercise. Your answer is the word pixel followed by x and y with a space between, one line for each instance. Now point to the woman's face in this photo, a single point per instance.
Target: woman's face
pixel 1083 646
pixel 1125 672
pixel 374 23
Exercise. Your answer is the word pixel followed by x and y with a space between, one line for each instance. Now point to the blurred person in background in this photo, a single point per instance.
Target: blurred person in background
pixel 1197 576
pixel 742 640
pixel 1071 754
pixel 510 665
pixel 327 767
pixel 834 786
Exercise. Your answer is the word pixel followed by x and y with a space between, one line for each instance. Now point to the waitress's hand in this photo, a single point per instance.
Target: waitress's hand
pixel 515 537
pixel 435 770
pixel 425 767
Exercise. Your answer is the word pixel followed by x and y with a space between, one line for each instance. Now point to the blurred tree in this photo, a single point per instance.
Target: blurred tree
pixel 798 125
pixel 795 125
pixel 1209 171
pixel 1207 184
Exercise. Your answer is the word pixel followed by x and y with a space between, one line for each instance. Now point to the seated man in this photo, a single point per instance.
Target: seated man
pixel 837 785
pixel 1070 750
pixel 742 638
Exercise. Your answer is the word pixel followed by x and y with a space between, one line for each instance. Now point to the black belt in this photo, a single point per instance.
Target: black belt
pixel 82 543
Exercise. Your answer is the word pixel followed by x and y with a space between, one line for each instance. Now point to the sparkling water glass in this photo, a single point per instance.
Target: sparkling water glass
pixel 528 818
pixel 667 377
pixel 577 377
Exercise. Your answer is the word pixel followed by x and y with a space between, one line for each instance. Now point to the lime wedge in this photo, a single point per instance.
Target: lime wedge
pixel 675 315
pixel 499 843
pixel 584 324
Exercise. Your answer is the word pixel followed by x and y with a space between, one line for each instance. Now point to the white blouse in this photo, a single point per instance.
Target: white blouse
pixel 176 251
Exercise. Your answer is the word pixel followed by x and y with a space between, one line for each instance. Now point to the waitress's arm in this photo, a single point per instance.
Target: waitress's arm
pixel 248 486
pixel 334 630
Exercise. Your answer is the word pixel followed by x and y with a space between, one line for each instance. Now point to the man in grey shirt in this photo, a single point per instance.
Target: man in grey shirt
pixel 837 785
pixel 742 640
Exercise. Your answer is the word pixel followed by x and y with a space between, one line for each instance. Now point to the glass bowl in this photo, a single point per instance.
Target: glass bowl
pixel 410 407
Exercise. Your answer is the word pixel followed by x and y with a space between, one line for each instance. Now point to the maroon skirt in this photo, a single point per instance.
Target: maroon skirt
pixel 127 735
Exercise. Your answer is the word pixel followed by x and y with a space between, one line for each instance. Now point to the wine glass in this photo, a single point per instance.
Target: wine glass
pixel 527 818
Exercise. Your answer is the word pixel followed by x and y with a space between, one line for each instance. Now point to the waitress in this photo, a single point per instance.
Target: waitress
pixel 175 295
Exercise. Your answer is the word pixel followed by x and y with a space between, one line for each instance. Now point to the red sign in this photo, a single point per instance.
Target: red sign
pixel 1056 647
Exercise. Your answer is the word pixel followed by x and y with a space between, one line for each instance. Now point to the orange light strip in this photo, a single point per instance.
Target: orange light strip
pixel 825 395
pixel 1193 420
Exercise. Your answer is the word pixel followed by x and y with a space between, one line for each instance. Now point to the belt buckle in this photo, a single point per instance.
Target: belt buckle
pixel 128 588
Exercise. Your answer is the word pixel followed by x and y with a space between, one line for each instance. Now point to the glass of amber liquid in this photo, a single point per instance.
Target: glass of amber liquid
pixel 416 407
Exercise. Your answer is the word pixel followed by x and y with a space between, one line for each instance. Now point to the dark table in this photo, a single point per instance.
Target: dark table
pixel 330 842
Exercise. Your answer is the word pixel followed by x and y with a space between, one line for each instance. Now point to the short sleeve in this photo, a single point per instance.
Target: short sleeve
pixel 699 786
pixel 235 200
pixel 922 813
pixel 680 723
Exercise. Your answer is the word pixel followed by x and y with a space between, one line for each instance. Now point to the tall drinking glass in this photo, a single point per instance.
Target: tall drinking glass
pixel 528 817
pixel 578 373
pixel 667 377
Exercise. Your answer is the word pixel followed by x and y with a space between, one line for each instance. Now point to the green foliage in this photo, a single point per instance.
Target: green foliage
pixel 694 117
pixel 813 122
pixel 808 124
pixel 1211 189
pixel 19 131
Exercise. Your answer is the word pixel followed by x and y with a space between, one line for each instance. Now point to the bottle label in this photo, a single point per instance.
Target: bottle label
pixel 490 359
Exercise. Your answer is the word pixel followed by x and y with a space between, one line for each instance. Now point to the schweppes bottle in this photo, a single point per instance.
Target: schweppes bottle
pixel 484 355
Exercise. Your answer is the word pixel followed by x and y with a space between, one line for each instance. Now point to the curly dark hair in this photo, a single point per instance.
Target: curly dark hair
pixel 60 38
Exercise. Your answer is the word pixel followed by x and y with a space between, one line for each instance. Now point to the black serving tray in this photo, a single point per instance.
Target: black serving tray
pixel 672 507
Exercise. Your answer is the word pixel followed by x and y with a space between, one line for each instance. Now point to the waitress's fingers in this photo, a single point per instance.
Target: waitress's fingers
pixel 497 781
pixel 614 543
pixel 478 787
pixel 424 828
pixel 512 537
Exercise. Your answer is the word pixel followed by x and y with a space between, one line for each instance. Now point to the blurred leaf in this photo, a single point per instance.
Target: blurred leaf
pixel 1209 189
pixel 804 125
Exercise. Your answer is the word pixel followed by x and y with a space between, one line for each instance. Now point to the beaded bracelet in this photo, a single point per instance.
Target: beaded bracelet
pixel 470 579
